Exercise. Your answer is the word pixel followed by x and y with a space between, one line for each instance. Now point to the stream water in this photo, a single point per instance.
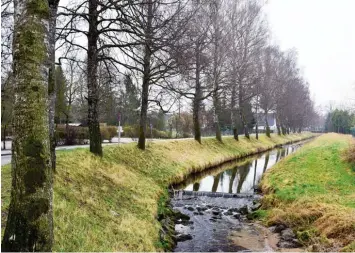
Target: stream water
pixel 215 201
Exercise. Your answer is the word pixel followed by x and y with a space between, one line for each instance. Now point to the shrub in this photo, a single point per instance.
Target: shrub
pixel 104 133
pixel 131 131
pixel 112 131
pixel 186 135
pixel 352 131
pixel 74 135
pixel 82 135
pixel 349 155
pixel 159 134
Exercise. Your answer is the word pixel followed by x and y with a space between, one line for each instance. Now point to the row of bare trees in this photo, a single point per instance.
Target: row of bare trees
pixel 213 53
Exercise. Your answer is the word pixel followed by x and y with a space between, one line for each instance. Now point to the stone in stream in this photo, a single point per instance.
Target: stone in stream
pixel 236 215
pixel 233 210
pixel 279 228
pixel 201 209
pixel 244 210
pixel 183 237
pixel 214 212
pixel 178 215
pixel 272 229
pixel 288 244
pixel 256 206
pixel 219 216
pixel 228 213
pixel 287 234
pixel 190 208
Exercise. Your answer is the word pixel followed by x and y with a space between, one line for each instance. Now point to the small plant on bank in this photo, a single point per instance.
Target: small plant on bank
pixel 349 155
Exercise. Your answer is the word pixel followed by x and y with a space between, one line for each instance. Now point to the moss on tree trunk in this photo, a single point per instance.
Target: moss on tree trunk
pixel 29 225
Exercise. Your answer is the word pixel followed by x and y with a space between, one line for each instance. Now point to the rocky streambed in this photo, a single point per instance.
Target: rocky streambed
pixel 212 224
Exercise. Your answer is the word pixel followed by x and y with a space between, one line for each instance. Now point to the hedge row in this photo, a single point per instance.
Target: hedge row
pixel 133 132
pixel 80 135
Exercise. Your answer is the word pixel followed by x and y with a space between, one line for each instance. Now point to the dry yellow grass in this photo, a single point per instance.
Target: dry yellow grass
pixel 111 203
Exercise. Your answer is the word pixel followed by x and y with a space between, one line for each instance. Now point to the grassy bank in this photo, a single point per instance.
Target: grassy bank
pixel 313 191
pixel 111 203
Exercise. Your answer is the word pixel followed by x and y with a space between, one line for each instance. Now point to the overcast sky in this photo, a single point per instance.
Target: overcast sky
pixel 323 32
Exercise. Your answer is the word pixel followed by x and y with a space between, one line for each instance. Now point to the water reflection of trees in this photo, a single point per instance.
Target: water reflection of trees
pixel 232 178
pixel 216 182
pixel 267 156
pixel 243 172
pixel 236 172
pixel 226 168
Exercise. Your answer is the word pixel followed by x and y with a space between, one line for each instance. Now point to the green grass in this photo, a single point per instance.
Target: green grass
pixel 112 203
pixel 314 189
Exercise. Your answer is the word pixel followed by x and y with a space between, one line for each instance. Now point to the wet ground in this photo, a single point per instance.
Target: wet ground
pixel 217 202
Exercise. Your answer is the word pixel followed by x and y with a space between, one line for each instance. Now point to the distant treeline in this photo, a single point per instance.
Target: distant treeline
pixel 340 121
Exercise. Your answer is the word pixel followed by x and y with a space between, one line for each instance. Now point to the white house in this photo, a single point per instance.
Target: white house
pixel 271 119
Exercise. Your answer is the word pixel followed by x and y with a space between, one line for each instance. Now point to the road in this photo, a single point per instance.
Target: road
pixel 6 154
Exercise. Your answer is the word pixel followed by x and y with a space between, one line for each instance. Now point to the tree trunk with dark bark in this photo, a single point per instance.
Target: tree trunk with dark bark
pixel 278 122
pixel 92 84
pixel 216 44
pixel 233 116
pixel 256 125
pixel 197 98
pixel 283 128
pixel 53 6
pixel 241 111
pixel 4 136
pixel 267 127
pixel 29 225
pixel 67 140
pixel 146 77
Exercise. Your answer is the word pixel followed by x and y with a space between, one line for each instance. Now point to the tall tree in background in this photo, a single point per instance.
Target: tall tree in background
pixel 248 35
pixel 7 101
pixel 152 28
pixel 130 102
pixel 219 50
pixel 30 222
pixel 193 60
pixel 60 101
pixel 103 34
pixel 268 60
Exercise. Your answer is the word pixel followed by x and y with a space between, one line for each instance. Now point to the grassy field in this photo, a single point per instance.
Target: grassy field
pixel 313 191
pixel 112 203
